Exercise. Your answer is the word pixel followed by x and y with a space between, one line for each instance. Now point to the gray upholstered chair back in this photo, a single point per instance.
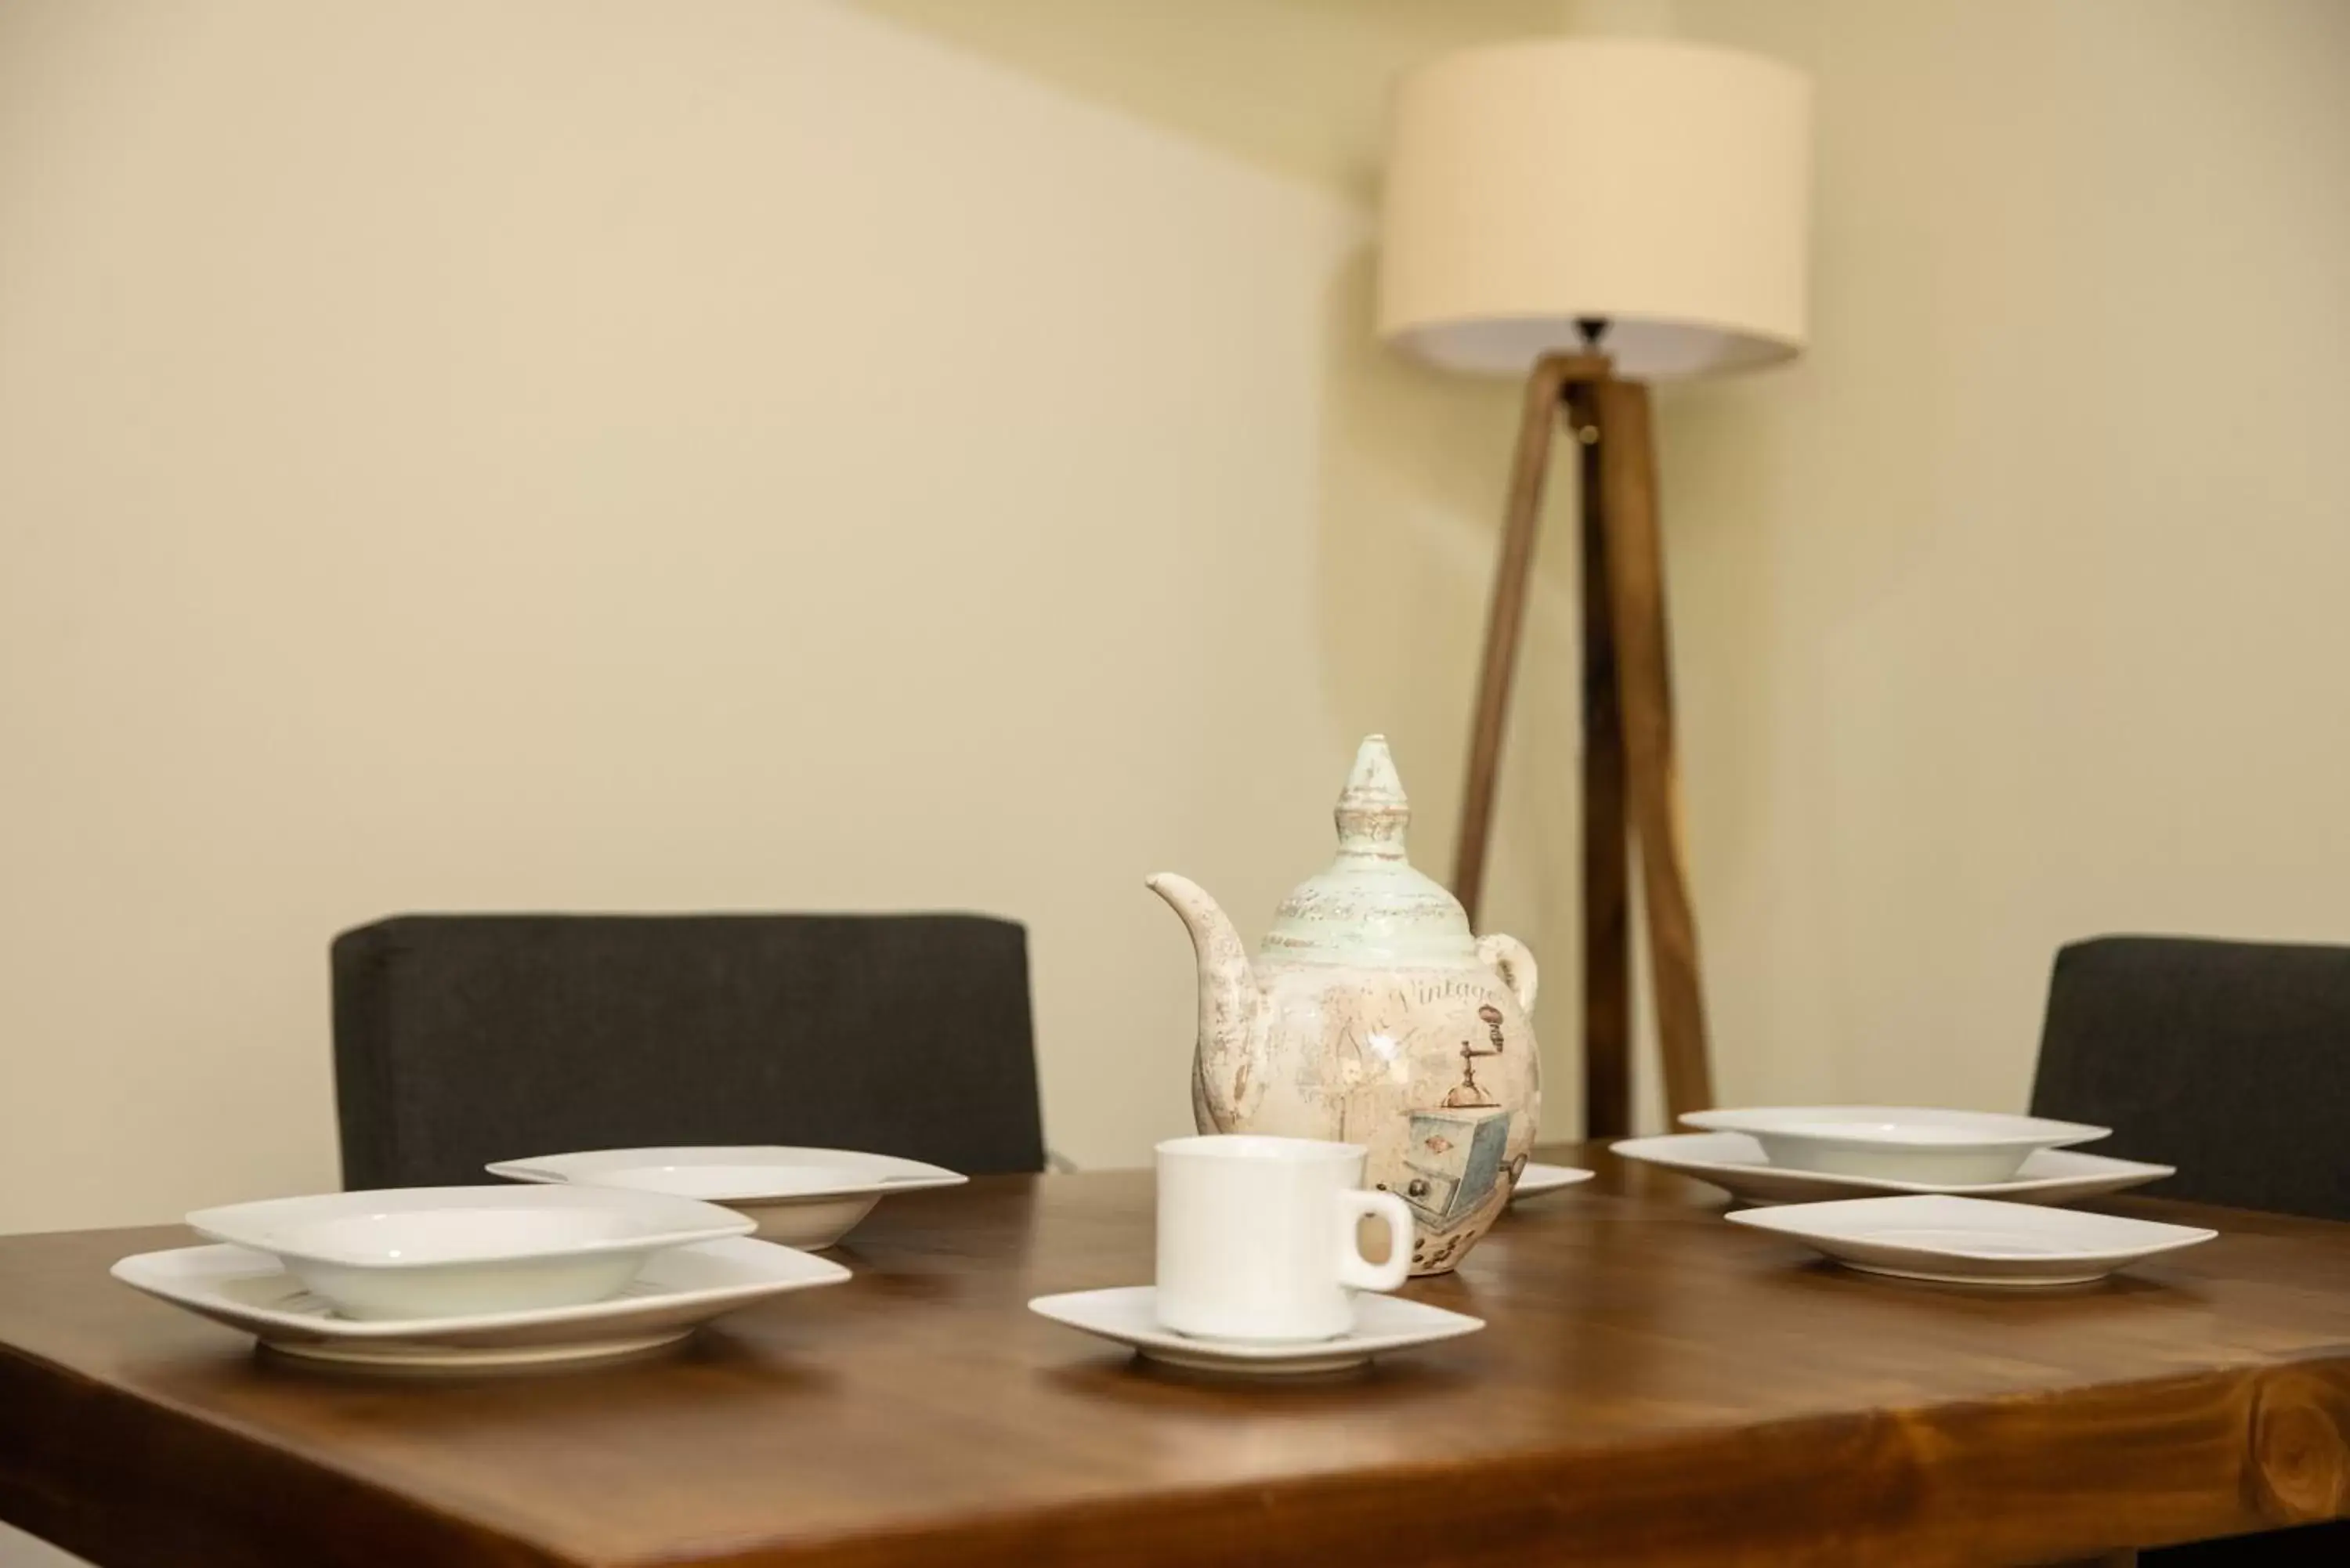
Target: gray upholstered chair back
pixel 2228 1060
pixel 461 1039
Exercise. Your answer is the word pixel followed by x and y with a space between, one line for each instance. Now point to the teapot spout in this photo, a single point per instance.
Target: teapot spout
pixel 1231 1008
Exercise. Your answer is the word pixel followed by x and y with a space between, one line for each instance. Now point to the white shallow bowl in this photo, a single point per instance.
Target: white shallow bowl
pixel 679 1290
pixel 444 1251
pixel 1897 1143
pixel 1734 1162
pixel 1128 1315
pixel 800 1196
pixel 1972 1240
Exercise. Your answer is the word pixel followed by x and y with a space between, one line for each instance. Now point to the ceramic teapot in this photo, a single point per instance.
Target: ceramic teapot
pixel 1370 1015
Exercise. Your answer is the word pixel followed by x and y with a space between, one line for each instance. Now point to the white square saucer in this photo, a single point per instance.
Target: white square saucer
pixel 1536 1180
pixel 678 1291
pixel 1128 1315
pixel 1972 1240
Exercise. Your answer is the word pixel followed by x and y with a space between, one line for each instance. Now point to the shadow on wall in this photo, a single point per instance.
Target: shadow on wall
pixel 1297 87
pixel 1413 464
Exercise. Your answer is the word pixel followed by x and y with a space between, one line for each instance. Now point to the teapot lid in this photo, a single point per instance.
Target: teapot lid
pixel 1370 904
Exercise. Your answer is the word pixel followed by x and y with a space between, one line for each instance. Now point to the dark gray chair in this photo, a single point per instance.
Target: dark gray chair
pixel 2228 1060
pixel 2231 1061
pixel 462 1039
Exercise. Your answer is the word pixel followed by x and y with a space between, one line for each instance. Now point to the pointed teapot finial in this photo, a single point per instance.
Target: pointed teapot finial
pixel 1369 905
pixel 1373 811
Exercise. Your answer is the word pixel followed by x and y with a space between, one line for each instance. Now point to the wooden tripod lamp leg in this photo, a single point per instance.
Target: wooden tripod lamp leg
pixel 1607 900
pixel 1537 425
pixel 1636 591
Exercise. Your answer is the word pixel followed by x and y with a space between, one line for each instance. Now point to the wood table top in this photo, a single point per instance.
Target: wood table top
pixel 1655 1388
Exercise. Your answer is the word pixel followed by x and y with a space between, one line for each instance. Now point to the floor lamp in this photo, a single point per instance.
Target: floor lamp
pixel 1595 214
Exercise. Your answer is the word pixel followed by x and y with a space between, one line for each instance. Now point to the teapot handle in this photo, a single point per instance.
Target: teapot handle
pixel 1510 959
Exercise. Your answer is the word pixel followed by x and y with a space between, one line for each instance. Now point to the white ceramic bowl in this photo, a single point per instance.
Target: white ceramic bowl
pixel 799 1197
pixel 446 1252
pixel 1897 1143
pixel 1734 1162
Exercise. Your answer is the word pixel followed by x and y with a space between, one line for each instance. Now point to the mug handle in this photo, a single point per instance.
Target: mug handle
pixel 1358 1271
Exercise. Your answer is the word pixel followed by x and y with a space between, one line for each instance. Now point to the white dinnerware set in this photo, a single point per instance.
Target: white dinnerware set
pixel 1259 1266
pixel 1951 1197
pixel 594 1255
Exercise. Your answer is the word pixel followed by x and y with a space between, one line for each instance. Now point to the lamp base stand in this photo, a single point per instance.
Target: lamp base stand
pixel 1631 781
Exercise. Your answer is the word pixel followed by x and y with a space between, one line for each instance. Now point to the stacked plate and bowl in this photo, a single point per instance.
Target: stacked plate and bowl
pixel 595 1256
pixel 1951 1195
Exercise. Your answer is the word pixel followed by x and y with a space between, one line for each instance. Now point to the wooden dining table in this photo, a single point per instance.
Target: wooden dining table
pixel 1654 1386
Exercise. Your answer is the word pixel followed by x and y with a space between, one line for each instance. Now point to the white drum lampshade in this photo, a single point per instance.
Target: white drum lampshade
pixel 1663 187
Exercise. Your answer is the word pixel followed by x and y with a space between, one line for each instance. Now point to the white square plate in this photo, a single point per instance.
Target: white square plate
pixel 1734 1162
pixel 1972 1240
pixel 1536 1180
pixel 800 1196
pixel 679 1290
pixel 1130 1316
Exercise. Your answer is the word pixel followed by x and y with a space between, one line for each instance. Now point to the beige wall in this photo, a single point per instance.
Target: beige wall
pixel 764 453
pixel 2016 611
pixel 760 455
pixel 752 453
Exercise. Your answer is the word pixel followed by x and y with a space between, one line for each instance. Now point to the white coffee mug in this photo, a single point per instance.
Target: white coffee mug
pixel 1257 1237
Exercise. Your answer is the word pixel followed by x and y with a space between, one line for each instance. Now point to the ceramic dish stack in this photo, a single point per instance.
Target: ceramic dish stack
pixel 1802 1154
pixel 1956 1197
pixel 467 1277
pixel 1735 1163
